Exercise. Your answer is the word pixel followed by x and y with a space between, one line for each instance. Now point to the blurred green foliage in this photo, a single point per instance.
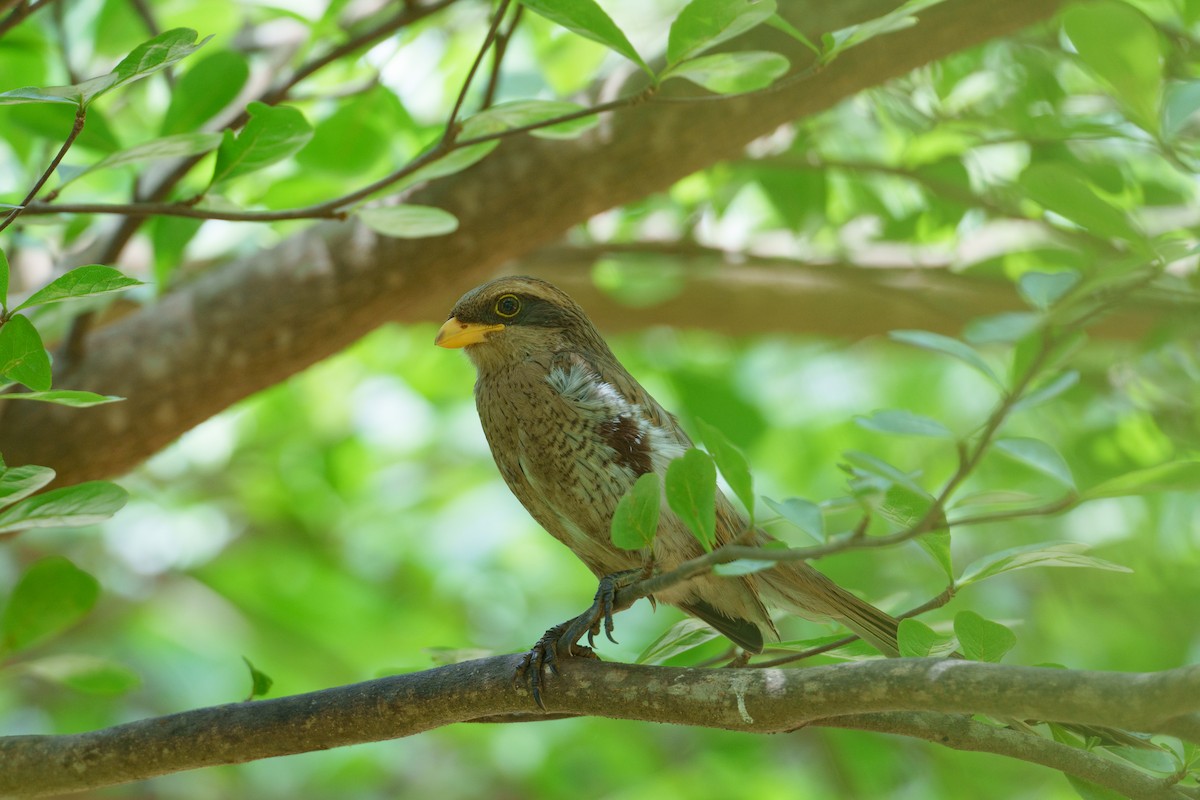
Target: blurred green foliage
pixel 350 523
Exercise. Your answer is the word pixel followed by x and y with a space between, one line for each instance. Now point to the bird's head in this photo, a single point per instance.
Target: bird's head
pixel 514 318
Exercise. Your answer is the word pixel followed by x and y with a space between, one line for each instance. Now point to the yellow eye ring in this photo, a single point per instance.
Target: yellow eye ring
pixel 508 306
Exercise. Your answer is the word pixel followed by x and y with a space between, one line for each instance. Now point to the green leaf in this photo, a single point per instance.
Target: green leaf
pixel 178 146
pixel 157 54
pixel 260 682
pixel 743 566
pixel 918 640
pixel 1174 476
pixel 1003 328
pixel 519 113
pixel 64 397
pixel 1060 554
pixel 691 486
pixel 52 595
pixel 68 95
pixel 938 343
pixel 897 19
pixel 83 673
pixel 731 463
pixel 589 20
pixel 204 90
pixel 86 281
pixel 903 423
pixel 70 506
pixel 1038 455
pixel 731 73
pixel 703 24
pixel 982 639
pixel 1182 102
pixel 804 515
pixel 3 280
pixel 1119 43
pixel 272 134
pixel 937 544
pixel 780 24
pixel 687 634
pixel 1047 391
pixel 409 221
pixel 891 474
pixel 635 519
pixel 23 358
pixel 19 482
pixel 1043 289
pixel 1061 190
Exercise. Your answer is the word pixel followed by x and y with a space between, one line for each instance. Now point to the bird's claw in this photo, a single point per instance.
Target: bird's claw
pixel 562 641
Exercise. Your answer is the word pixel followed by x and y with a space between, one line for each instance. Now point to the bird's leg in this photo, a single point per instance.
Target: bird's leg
pixel 562 641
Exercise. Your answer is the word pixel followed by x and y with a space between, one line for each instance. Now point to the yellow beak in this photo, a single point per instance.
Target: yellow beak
pixel 456 333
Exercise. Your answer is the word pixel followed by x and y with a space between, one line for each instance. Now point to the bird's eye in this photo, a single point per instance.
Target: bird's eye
pixel 508 306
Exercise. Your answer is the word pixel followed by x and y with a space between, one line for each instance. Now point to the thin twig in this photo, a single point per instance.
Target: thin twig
pixel 452 121
pixel 80 118
pixel 498 53
pixel 20 13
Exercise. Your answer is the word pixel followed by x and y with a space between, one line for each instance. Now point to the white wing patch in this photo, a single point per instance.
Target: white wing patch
pixel 583 387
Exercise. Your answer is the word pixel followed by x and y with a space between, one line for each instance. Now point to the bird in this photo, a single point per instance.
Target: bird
pixel 571 430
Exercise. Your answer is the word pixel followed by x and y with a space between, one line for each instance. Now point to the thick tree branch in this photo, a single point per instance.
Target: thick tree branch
pixel 253 322
pixel 865 695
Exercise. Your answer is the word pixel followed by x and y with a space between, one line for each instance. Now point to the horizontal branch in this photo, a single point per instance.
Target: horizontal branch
pixel 750 700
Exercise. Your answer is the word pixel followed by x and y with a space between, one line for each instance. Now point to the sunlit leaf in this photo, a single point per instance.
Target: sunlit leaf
pixel 1040 456
pixel 589 20
pixel 86 281
pixel 19 482
pixel 1002 328
pixel 897 19
pixel 731 73
pixel 204 90
pixel 937 544
pixel 703 24
pixel 1060 554
pixel 1061 190
pixel 981 639
pixel 1120 44
pixel 81 504
pixel 23 357
pixel 743 566
pixel 519 113
pixel 635 519
pixel 904 423
pixel 954 348
pixel 272 134
pixel 409 221
pixel 52 595
pixel 800 512
pixel 731 463
pixel 918 640
pixel 1044 289
pixel 178 146
pixel 64 397
pixel 687 634
pixel 691 486
pixel 1175 476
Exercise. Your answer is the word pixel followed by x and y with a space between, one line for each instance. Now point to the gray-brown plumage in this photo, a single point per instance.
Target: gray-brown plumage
pixel 571 430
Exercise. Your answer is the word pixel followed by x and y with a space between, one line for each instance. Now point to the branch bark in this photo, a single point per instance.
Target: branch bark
pixel 911 697
pixel 253 322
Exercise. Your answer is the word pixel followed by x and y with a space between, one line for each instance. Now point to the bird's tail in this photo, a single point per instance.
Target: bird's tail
pixel 802 589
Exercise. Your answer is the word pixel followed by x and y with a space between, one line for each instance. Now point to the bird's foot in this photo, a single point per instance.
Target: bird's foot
pixel 562 641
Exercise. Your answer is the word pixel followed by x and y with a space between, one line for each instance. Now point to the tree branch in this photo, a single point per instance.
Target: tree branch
pixel 865 695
